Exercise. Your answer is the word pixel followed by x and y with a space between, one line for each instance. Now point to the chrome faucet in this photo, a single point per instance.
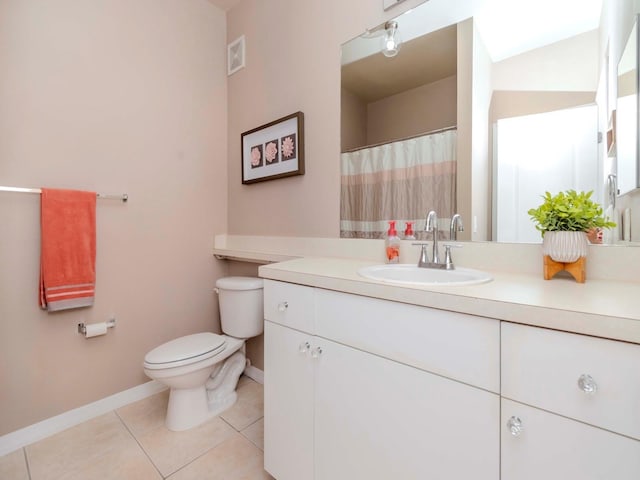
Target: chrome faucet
pixel 431 225
pixel 455 227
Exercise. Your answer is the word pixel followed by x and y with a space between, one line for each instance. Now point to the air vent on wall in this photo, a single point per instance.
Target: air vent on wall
pixel 235 55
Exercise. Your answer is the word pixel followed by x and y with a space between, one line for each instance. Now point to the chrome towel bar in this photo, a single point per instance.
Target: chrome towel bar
pixel 124 197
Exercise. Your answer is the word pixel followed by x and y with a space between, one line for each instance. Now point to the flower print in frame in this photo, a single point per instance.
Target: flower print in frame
pixel 288 147
pixel 274 150
pixel 256 156
pixel 271 152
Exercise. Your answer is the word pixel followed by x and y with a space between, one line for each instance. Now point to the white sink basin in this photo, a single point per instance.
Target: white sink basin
pixel 411 274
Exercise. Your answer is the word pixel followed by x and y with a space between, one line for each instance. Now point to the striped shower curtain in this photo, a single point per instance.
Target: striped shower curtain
pixel 399 181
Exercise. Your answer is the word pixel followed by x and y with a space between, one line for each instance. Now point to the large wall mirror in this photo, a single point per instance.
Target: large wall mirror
pixel 506 86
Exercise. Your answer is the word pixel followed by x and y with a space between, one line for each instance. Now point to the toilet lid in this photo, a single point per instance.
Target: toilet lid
pixel 184 350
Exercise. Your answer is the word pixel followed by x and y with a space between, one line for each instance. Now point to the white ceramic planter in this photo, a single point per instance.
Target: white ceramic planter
pixel 565 247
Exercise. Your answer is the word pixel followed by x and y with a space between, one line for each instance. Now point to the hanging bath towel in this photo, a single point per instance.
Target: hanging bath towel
pixel 68 249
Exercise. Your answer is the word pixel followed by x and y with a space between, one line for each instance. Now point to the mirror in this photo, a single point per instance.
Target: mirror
pixel 470 67
pixel 627 116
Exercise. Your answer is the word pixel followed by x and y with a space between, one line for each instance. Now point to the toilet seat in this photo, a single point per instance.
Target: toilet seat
pixel 185 350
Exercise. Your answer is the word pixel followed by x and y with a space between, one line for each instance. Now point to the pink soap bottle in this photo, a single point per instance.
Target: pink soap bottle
pixel 408 232
pixel 392 243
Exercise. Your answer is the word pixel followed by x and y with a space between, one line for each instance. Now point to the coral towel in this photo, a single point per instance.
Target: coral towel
pixel 68 249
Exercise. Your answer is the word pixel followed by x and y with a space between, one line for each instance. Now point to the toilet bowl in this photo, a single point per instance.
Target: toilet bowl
pixel 202 369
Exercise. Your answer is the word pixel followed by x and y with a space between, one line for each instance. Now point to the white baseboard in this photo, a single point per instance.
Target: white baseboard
pixel 254 373
pixel 28 435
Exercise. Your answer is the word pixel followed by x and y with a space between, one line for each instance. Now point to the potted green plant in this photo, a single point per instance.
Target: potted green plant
pixel 564 220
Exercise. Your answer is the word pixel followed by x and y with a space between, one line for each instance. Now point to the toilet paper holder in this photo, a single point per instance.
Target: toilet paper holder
pixel 82 327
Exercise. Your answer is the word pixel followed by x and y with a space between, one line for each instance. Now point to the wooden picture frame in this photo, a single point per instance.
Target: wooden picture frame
pixel 274 150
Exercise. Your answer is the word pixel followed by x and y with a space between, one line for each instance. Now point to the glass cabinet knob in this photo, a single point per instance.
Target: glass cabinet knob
pixel 587 384
pixel 514 424
pixel 282 306
pixel 304 347
pixel 316 352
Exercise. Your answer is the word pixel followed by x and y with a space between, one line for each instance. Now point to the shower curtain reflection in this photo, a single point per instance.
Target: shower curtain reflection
pixel 400 181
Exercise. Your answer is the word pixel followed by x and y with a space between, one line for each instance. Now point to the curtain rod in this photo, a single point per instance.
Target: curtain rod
pixel 439 130
pixel 124 197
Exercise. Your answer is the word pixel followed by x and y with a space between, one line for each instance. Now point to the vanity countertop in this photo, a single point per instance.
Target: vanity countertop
pixel 600 308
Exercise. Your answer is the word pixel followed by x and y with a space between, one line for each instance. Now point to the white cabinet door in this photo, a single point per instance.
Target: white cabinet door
pixel 552 447
pixel 378 419
pixel 288 404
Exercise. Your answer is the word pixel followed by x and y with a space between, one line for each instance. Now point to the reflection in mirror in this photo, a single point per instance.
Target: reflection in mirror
pixel 627 116
pixel 461 76
pixel 525 166
pixel 398 134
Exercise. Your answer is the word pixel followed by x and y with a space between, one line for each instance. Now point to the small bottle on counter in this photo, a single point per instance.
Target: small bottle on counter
pixel 392 244
pixel 408 231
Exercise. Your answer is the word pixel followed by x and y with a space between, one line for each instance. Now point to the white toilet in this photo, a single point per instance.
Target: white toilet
pixel 202 370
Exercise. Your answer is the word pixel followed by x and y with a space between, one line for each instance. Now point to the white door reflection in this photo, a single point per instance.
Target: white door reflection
pixel 553 151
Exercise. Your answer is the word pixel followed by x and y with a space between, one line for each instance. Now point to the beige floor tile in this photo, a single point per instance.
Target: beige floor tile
pixel 146 414
pixel 255 433
pixel 169 450
pixel 14 466
pixel 128 463
pixel 236 459
pixel 243 380
pixel 99 448
pixel 248 408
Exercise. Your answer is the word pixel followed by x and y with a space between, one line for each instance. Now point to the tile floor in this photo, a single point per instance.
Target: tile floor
pixel 133 443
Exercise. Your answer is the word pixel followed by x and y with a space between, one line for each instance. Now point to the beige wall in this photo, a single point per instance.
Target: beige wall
pixel 113 96
pixel 412 112
pixel 415 111
pixel 353 121
pixel 506 104
pixel 567 65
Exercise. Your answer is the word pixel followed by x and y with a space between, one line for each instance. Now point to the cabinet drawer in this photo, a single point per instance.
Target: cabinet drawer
pixel 552 447
pixel 549 369
pixel 289 305
pixel 462 347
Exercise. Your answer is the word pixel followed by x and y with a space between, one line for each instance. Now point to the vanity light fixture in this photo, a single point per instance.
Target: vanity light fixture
pixel 391 41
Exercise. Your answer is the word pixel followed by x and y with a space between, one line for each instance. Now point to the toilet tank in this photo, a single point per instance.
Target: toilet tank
pixel 241 306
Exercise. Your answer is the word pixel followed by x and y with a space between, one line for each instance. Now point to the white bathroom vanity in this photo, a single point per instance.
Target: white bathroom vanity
pixel 516 379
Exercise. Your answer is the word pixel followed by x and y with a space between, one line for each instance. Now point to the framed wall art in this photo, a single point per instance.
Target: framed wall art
pixel 274 150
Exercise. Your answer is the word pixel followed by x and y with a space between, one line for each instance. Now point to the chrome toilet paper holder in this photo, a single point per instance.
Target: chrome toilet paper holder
pixel 82 327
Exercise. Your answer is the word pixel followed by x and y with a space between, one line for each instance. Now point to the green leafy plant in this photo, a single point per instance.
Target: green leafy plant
pixel 569 211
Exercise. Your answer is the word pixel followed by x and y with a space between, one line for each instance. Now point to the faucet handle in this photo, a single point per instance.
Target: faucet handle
pixel 447 255
pixel 423 261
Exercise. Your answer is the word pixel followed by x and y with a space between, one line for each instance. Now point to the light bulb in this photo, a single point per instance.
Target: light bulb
pixel 391 41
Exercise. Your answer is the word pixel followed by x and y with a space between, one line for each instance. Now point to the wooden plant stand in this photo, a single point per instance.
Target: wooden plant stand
pixel 577 269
